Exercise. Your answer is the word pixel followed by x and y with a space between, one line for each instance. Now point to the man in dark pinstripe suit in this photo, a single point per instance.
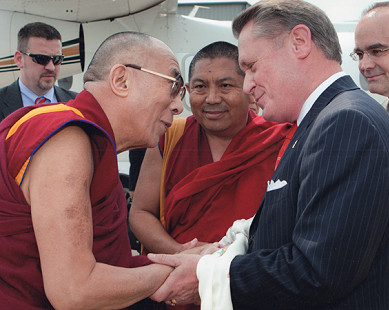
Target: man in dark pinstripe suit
pixel 320 238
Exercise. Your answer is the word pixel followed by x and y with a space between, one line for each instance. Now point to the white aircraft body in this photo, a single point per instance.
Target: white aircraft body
pixel 84 24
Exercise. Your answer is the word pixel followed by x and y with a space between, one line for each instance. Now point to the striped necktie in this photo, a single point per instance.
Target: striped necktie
pixel 40 100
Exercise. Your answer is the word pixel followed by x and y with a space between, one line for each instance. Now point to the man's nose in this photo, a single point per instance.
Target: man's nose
pixel 50 66
pixel 213 95
pixel 248 83
pixel 366 62
pixel 176 106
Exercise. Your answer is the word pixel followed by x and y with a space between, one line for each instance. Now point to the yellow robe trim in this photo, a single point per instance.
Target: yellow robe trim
pixel 29 115
pixel 47 109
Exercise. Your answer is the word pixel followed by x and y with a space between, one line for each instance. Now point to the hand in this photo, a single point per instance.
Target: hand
pixel 189 245
pixel 182 284
pixel 203 248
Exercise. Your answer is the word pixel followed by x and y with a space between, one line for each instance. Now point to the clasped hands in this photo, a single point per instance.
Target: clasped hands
pixel 181 286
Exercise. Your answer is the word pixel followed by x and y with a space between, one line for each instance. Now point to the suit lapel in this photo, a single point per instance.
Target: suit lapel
pixel 343 84
pixel 13 100
pixel 59 94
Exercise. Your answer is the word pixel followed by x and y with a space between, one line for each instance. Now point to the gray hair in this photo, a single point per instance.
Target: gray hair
pixel 216 50
pixel 273 18
pixel 114 50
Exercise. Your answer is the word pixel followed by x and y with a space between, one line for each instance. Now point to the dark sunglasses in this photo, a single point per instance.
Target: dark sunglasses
pixel 45 59
pixel 178 87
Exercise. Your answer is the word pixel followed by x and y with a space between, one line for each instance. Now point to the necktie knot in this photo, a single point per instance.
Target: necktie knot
pixel 40 100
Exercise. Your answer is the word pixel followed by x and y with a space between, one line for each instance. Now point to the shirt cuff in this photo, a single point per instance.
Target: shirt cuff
pixel 213 273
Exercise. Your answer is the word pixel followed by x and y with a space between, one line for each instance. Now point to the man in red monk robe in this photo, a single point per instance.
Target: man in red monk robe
pixel 63 233
pixel 212 167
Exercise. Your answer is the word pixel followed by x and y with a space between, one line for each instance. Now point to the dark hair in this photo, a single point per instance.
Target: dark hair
pixel 39 30
pixel 216 50
pixel 272 18
pixel 375 6
pixel 112 50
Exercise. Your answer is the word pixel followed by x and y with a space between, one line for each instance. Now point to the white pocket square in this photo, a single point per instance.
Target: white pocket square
pixel 271 185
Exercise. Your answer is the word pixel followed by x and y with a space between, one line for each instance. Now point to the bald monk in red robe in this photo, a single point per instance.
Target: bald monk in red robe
pixel 209 169
pixel 63 234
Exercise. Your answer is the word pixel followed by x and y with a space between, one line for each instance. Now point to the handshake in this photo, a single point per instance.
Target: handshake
pixel 200 273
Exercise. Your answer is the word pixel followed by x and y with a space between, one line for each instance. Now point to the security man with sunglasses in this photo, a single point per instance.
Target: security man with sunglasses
pixel 39 56
pixel 372 48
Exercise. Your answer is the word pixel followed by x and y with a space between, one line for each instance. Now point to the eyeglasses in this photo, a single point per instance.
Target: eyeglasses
pixel 45 59
pixel 177 88
pixel 373 53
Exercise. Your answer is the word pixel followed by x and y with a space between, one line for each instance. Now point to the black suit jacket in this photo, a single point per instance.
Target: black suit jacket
pixel 321 241
pixel 11 98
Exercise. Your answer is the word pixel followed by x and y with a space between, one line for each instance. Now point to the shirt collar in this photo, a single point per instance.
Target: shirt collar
pixel 29 97
pixel 316 93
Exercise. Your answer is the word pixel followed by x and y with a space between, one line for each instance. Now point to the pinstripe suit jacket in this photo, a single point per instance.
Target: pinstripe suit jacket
pixel 11 98
pixel 322 241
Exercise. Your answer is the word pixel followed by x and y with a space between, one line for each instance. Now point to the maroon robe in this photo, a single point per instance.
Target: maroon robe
pixel 204 198
pixel 21 284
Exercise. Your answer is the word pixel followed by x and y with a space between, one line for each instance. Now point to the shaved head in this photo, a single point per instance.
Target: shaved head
pixel 118 48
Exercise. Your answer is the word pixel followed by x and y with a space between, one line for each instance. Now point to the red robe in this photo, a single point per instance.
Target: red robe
pixel 21 284
pixel 204 198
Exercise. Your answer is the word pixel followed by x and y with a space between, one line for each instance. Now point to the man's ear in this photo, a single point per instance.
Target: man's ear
pixel 119 79
pixel 187 87
pixel 18 59
pixel 301 40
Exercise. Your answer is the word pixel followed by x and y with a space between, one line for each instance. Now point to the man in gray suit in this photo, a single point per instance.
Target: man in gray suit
pixel 320 238
pixel 39 56
pixel 372 48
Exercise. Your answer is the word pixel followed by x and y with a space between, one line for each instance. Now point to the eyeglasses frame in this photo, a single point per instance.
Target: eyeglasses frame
pixel 355 57
pixel 182 90
pixel 32 55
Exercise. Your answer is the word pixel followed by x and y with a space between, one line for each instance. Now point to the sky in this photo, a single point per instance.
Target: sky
pixel 342 10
